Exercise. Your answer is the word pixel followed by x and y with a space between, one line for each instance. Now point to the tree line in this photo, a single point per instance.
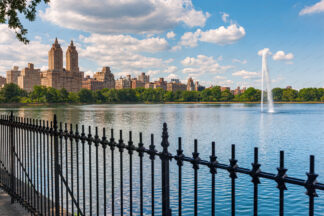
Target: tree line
pixel 11 93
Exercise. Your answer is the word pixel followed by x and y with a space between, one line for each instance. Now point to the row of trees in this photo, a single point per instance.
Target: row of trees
pixel 11 93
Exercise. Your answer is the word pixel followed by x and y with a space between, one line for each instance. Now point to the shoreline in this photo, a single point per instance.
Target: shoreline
pixel 193 102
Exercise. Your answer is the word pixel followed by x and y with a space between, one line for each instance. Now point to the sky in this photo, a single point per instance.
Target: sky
pixel 213 41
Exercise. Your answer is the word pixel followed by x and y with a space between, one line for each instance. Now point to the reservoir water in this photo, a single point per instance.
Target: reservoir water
pixel 298 129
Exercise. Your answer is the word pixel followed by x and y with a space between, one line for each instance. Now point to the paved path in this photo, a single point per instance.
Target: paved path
pixel 8 209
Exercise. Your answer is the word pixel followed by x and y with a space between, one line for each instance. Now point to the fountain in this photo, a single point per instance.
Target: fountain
pixel 266 77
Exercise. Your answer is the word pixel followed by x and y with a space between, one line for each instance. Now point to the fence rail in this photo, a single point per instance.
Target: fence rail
pixel 48 167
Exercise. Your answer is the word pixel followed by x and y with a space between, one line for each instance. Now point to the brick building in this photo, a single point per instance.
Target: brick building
pixel 29 77
pixel 123 82
pixel 58 77
pixel 12 75
pixel 3 81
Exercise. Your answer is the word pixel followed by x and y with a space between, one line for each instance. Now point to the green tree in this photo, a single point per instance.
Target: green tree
pixel 38 94
pixel 309 94
pixel 85 96
pixel 251 94
pixel 51 95
pixel 169 96
pixel 11 93
pixel 226 95
pixel 289 95
pixel 277 94
pixel 73 97
pixel 111 95
pixel 11 12
pixel 63 95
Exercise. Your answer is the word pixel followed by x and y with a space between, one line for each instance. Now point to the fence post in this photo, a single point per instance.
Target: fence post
pixel 56 168
pixel 165 157
pixel 12 158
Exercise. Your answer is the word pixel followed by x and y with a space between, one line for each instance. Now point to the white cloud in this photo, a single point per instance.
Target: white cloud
pixel 316 8
pixel 170 34
pixel 225 17
pixel 202 65
pixel 127 16
pixel 190 39
pixel 246 74
pixel 172 76
pixel 239 61
pixel 124 53
pixel 280 55
pixel 170 69
pixel 13 52
pixel 222 36
pixel 220 77
pixel 225 82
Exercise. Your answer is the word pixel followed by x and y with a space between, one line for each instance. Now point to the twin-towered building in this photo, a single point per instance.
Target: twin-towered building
pixel 56 76
pixel 72 79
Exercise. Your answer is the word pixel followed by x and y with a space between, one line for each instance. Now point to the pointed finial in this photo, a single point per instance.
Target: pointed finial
pixel 71 42
pixel 56 42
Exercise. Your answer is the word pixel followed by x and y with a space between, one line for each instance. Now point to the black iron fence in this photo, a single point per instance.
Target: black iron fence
pixel 54 169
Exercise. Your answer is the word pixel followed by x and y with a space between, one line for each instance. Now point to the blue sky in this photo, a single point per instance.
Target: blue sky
pixel 213 41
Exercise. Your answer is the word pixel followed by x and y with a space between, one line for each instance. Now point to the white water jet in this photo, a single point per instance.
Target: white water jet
pixel 266 77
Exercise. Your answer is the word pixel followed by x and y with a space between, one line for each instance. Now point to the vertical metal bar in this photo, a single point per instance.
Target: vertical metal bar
pixel 97 169
pixel 104 146
pixel 130 152
pixel 83 138
pixel 213 172
pixel 66 169
pixel 12 158
pixel 61 167
pixel 310 183
pixel 112 147
pixel 37 168
pixel 233 176
pixel 72 167
pixel 281 208
pixel 165 157
pixel 152 157
pixel 52 170
pixel 255 194
pixel 41 166
pixel 57 169
pixel 90 169
pixel 77 164
pixel 141 172
pixel 34 164
pixel 180 164
pixel 196 167
pixel 121 149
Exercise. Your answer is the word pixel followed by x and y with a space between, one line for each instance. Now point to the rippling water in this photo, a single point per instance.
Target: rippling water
pixel 298 129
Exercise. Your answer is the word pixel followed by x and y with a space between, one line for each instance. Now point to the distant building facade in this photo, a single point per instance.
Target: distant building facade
pixel 3 81
pixel 12 75
pixel 225 88
pixel 143 78
pixel 172 86
pixel 100 80
pixel 149 85
pixel 123 82
pixel 160 84
pixel 29 77
pixel 106 77
pixel 137 84
pixel 58 77
pixel 190 85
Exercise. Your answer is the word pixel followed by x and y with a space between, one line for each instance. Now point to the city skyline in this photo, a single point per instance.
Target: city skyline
pixel 216 43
